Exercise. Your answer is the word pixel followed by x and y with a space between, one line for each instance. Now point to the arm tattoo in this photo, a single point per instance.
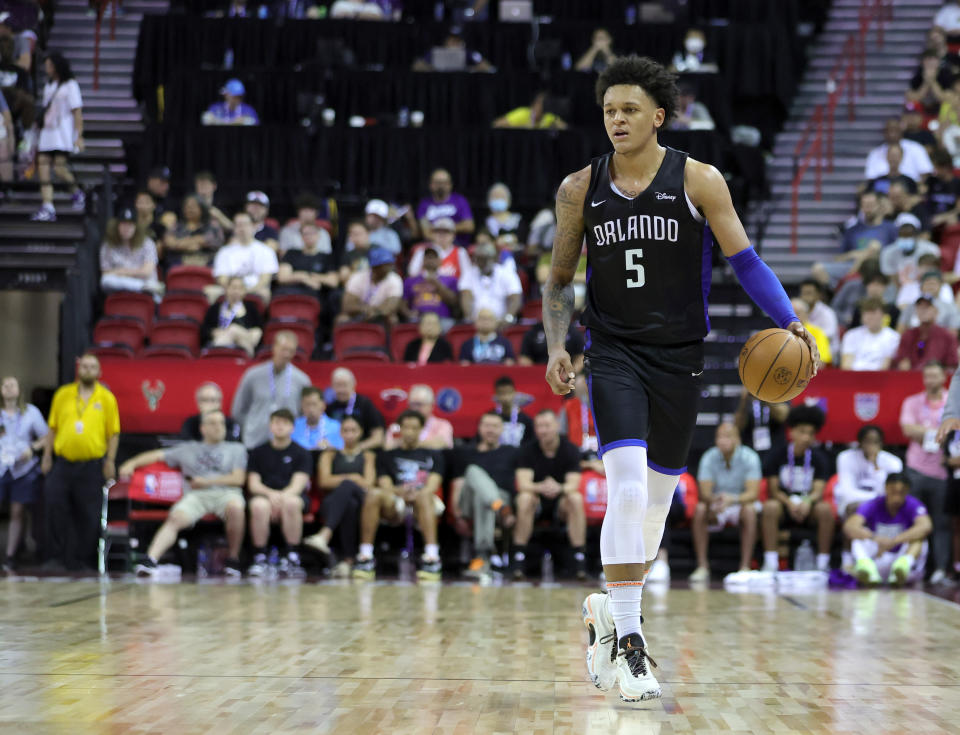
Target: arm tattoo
pixel 557 312
pixel 558 290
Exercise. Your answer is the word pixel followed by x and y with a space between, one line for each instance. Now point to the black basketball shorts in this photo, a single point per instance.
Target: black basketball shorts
pixel 644 395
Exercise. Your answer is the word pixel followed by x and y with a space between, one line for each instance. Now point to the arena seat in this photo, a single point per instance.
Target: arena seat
pixel 348 336
pixel 266 352
pixel 295 307
pixel 457 335
pixel 176 332
pixel 189 278
pixel 166 352
pixel 189 304
pixel 223 353
pixel 400 336
pixel 113 352
pixel 131 303
pixel 304 331
pixel 363 354
pixel 532 311
pixel 120 330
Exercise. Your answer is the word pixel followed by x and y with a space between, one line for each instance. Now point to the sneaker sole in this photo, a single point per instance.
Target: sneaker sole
pixel 643 697
pixel 364 575
pixel 429 576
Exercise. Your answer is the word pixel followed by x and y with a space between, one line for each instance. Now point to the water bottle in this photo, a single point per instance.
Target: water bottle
pixel 203 562
pixel 566 61
pixel 803 560
pixel 273 561
pixel 547 571
pixel 228 59
pixel 403 117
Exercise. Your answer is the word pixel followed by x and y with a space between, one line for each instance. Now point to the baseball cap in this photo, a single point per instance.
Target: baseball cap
pixel 159 172
pixel 126 215
pixel 924 299
pixel 379 256
pixel 378 207
pixel 444 223
pixel 905 218
pixel 259 197
pixel 234 87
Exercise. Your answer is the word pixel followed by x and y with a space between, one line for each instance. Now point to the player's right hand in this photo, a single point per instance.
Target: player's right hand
pixel 946 427
pixel 560 374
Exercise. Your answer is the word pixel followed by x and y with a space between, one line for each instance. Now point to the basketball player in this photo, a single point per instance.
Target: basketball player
pixel 644 210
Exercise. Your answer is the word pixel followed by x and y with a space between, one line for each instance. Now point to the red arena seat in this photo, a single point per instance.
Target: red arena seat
pixel 457 335
pixel 303 330
pixel 130 303
pixel 120 330
pixel 295 307
pixel 400 336
pixel 184 304
pixel 176 333
pixel 347 336
pixel 188 278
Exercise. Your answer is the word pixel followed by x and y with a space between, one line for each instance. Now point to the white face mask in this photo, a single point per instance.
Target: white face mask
pixel 694 45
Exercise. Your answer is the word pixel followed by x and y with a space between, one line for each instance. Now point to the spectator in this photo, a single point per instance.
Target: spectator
pixel 431 292
pixel 543 229
pixel 128 258
pixel 308 208
pixel 901 257
pixel 437 433
pixel 445 202
pixel 472 60
pixel 246 258
pixel 195 238
pixel 214 471
pixel 158 186
pixel 533 117
pixel 600 54
pixel 486 346
pixel 876 288
pixel 863 237
pixel 408 477
pixel 205 187
pixel 431 346
pixel 883 183
pixel 12 74
pixel 796 492
pixel 506 227
pixel 347 402
pixel 8 142
pixel 920 417
pixel 888 536
pixel 84 434
pixel 377 215
pixel 761 425
pixel 914 128
pixel 577 425
pixel 871 346
pixel 346 475
pixel 915 164
pixel 948 18
pixel 358 10
pixel 374 295
pixel 209 397
pixel 932 286
pixel 22 433
pixel 823 343
pixel 691 114
pixel 147 220
pixel 490 285
pixel 926 342
pixel 863 470
pixel 61 135
pixel 258 207
pixel 357 256
pixel 901 201
pixel 519 428
pixel 850 293
pixel 548 486
pixel 309 271
pixel 694 57
pixel 729 478
pixel 928 84
pixel 278 479
pixel 266 387
pixel 483 490
pixel 911 290
pixel 533 349
pixel 454 260
pixel 313 429
pixel 233 322
pixel 821 315
pixel 233 110
pixel 943 191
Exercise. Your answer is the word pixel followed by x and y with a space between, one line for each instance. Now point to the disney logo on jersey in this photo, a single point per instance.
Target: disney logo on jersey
pixel 637 227
pixel 661 195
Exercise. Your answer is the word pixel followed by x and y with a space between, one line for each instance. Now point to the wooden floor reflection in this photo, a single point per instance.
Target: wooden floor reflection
pixel 127 657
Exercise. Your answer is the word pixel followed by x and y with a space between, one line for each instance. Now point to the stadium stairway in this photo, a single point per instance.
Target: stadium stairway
pixel 888 72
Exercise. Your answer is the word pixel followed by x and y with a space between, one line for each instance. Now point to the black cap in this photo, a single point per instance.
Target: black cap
pixel 924 300
pixel 159 172
pixel 126 215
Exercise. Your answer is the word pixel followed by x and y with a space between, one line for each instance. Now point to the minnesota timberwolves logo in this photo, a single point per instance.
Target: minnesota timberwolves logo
pixel 449 400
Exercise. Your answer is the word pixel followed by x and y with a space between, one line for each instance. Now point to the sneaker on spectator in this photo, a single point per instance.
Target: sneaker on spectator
pixel 341 570
pixel 365 568
pixel 290 566
pixel 78 202
pixel 899 571
pixel 938 577
pixel 147 567
pixel 46 213
pixel 477 568
pixel 866 572
pixel 259 567
pixel 700 574
pixel 430 569
pixel 317 543
pixel 659 572
pixel 232 569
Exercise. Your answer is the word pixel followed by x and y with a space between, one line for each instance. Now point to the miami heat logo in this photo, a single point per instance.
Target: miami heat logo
pixel 782 376
pixel 153 393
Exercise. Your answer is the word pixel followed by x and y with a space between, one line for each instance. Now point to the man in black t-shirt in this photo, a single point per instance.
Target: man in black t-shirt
pixel 347 402
pixel 483 490
pixel 258 207
pixel 796 476
pixel 533 349
pixel 209 397
pixel 517 426
pixel 308 271
pixel 408 477
pixel 548 482
pixel 278 474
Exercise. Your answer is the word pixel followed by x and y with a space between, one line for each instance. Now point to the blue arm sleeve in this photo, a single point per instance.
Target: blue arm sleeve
pixel 762 286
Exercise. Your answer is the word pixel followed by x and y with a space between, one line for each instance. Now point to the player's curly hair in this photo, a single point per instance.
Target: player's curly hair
pixel 803 414
pixel 652 77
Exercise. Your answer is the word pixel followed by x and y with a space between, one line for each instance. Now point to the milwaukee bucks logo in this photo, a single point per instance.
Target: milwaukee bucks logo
pixel 153 393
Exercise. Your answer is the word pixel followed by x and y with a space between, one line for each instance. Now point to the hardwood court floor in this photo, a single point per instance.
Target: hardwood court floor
pixel 128 657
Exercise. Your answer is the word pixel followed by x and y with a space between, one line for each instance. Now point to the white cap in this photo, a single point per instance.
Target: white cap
pixel 905 218
pixel 379 208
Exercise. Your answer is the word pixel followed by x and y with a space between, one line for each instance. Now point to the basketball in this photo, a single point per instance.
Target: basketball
pixel 775 365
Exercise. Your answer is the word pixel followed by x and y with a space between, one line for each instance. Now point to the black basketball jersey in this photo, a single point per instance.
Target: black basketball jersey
pixel 648 258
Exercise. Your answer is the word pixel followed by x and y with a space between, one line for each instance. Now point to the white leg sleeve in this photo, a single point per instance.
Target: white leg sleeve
pixel 863 548
pixel 660 495
pixel 622 533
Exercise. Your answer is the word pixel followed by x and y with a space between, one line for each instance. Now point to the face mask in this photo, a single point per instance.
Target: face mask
pixel 497 205
pixel 906 244
pixel 694 45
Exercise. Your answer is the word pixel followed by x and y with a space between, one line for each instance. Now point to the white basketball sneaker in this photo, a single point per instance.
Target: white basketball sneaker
pixel 633 674
pixel 602 649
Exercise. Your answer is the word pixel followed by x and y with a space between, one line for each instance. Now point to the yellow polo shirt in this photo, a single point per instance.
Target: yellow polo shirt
pixel 521 118
pixel 81 430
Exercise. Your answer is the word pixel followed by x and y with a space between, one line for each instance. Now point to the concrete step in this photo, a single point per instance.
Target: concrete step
pixel 112 127
pixel 106 68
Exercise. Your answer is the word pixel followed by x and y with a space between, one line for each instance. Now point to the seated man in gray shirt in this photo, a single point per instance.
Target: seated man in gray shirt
pixel 214 471
pixel 729 478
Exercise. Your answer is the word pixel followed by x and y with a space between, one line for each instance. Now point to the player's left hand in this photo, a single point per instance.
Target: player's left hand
pixel 560 374
pixel 797 329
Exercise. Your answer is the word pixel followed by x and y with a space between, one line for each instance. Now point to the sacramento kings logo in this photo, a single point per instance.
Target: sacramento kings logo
pixel 782 376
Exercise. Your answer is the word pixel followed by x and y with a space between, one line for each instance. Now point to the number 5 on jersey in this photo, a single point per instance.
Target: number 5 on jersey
pixel 632 257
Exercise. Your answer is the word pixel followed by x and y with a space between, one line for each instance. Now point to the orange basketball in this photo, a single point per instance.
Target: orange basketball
pixel 775 365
